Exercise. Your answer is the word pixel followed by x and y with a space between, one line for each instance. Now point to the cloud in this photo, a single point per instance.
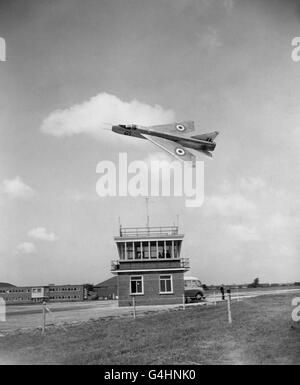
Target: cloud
pixel 283 249
pixel 229 4
pixel 76 196
pixel 230 205
pixel 243 233
pixel 243 197
pixel 41 234
pixel 252 184
pixel 26 248
pixel 104 109
pixel 200 6
pixel 16 189
pixel 208 39
pixel 280 222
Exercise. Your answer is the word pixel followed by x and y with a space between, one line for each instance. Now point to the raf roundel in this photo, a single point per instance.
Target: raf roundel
pixel 180 151
pixel 180 127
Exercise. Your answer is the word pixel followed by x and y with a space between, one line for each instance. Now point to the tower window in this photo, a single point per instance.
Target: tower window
pixel 165 284
pixel 136 284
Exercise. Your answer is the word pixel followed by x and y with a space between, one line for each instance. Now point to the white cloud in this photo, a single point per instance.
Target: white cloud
pixel 200 6
pixel 243 233
pixel 229 4
pixel 40 233
pixel 280 221
pixel 78 197
pixel 283 249
pixel 26 248
pixel 230 205
pixel 252 184
pixel 101 110
pixel 16 188
pixel 208 39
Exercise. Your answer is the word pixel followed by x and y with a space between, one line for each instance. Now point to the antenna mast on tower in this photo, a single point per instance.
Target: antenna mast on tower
pixel 147 211
pixel 120 225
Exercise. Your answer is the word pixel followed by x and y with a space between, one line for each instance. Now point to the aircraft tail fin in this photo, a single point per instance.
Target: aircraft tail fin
pixel 209 137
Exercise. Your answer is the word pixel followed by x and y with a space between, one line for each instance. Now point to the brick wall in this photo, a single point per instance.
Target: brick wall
pixel 151 294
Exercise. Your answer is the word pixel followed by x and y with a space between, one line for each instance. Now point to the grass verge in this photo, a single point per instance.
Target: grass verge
pixel 261 333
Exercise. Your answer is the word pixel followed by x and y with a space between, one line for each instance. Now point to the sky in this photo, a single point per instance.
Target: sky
pixel 72 67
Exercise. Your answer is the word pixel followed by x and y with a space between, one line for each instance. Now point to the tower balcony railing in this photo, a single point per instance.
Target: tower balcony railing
pixel 140 232
pixel 179 262
pixel 185 262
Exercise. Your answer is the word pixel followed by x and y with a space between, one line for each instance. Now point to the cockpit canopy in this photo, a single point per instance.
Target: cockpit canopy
pixel 128 126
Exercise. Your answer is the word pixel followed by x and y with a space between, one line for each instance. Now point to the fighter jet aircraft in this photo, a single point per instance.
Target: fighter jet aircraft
pixel 174 138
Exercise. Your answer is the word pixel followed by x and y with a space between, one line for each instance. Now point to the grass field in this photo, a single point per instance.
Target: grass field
pixel 261 333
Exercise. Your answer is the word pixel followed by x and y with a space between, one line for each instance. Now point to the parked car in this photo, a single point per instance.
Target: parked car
pixel 193 289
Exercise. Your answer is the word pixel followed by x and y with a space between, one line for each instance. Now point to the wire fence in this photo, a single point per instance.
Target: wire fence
pixel 48 314
pixel 135 306
pixel 59 315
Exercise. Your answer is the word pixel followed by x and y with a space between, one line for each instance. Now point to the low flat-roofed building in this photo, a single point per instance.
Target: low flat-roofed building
pixel 24 294
pixel 38 294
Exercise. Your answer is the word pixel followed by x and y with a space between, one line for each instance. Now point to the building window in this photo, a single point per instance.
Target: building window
pixel 137 250
pixel 176 249
pixel 153 250
pixel 121 248
pixel 169 251
pixel 136 284
pixel 145 253
pixel 130 250
pixel 161 250
pixel 165 284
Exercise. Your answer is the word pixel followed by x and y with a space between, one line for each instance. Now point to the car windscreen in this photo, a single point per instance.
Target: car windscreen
pixel 192 283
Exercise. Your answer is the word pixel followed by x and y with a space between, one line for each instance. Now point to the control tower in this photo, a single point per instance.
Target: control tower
pixel 150 267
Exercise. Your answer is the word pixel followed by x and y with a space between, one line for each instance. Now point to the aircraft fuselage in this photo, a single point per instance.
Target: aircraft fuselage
pixel 187 142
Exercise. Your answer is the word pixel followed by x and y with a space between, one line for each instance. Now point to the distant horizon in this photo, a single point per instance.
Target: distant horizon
pixel 204 283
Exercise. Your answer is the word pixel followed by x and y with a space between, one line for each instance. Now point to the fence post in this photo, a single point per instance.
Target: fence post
pixel 229 307
pixel 183 301
pixel 134 311
pixel 237 294
pixel 44 317
pixel 215 300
